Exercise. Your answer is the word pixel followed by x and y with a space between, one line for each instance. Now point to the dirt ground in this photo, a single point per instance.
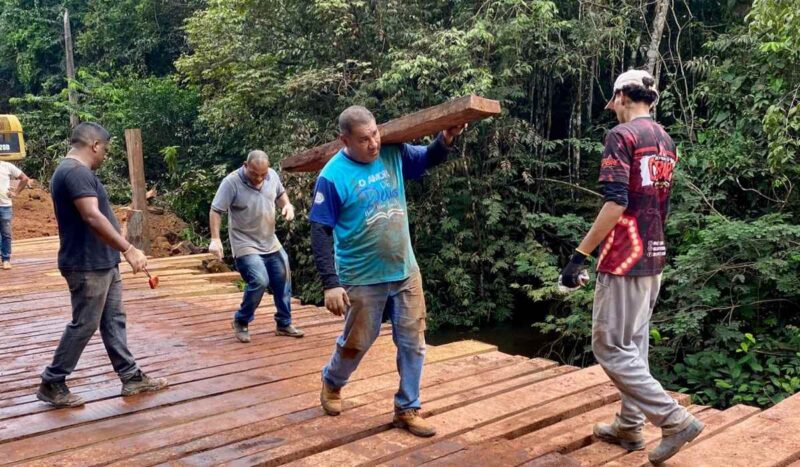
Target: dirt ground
pixel 34 217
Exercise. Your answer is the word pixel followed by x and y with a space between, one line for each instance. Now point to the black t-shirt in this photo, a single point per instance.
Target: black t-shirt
pixel 81 249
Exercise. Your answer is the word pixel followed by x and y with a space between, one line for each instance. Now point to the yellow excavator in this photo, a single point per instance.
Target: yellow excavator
pixel 12 143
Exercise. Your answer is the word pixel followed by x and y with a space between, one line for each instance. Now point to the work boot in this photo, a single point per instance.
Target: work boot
pixel 331 399
pixel 240 331
pixel 140 382
pixel 673 439
pixel 58 395
pixel 411 421
pixel 6 265
pixel 290 331
pixel 630 439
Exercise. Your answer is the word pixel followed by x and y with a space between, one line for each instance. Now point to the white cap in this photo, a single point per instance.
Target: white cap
pixel 635 77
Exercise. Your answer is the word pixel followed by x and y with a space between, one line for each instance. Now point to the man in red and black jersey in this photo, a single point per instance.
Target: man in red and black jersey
pixel 636 173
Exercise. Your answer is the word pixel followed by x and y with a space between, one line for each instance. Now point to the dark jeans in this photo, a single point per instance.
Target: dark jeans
pixel 5 233
pixel 96 302
pixel 260 271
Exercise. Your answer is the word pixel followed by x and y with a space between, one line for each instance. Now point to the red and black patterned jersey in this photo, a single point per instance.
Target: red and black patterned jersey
pixel 642 155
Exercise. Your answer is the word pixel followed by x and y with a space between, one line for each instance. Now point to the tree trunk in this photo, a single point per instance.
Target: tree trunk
pixel 71 93
pixel 662 7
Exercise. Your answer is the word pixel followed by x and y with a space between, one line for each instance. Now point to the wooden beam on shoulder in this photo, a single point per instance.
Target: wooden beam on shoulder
pixel 410 127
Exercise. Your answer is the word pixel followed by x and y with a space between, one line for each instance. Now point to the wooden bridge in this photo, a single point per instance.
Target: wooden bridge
pixel 258 403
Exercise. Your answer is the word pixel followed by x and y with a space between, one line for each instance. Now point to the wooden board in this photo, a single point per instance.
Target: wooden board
pixel 410 127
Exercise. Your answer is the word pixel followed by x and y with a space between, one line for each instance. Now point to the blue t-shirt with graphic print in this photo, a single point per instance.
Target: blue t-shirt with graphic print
pixel 365 205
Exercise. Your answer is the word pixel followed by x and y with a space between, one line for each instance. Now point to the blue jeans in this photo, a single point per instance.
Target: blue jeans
pixel 403 303
pixel 260 271
pixel 5 233
pixel 96 298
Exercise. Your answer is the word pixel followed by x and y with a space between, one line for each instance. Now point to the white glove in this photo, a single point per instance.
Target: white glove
pixel 215 248
pixel 288 212
pixel 583 278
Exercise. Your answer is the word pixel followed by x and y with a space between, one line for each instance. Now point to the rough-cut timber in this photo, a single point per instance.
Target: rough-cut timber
pixel 258 404
pixel 407 128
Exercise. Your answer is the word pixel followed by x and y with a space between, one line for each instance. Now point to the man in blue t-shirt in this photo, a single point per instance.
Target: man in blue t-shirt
pixel 362 250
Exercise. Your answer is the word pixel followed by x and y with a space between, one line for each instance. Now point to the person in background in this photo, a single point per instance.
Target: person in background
pixel 251 195
pixel 8 172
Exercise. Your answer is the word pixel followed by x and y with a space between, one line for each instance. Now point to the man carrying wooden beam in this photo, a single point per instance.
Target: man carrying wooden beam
pixel 88 258
pixel 362 250
pixel 251 195
pixel 636 173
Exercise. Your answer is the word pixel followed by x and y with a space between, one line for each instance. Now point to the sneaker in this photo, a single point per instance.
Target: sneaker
pixel 630 439
pixel 58 395
pixel 290 331
pixel 411 421
pixel 673 439
pixel 140 382
pixel 6 265
pixel 331 399
pixel 240 331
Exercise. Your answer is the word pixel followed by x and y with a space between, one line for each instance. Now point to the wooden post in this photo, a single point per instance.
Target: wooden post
pixel 73 95
pixel 133 142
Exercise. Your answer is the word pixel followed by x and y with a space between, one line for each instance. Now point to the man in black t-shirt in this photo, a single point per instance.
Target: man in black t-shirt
pixel 88 258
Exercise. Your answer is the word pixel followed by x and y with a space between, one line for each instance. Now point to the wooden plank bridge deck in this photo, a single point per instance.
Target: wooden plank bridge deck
pixel 257 404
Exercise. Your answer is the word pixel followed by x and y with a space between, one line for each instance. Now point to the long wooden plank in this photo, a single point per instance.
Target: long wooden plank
pixel 171 432
pixel 452 422
pixel 716 424
pixel 323 433
pixel 406 128
pixel 769 438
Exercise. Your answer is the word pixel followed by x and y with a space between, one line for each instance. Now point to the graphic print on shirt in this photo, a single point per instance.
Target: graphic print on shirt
pixel 380 197
pixel 641 155
pixel 656 169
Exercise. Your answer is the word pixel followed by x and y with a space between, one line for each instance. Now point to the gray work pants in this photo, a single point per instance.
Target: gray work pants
pixel 620 337
pixel 96 298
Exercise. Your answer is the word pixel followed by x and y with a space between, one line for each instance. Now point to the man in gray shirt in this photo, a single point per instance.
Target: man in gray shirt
pixel 250 196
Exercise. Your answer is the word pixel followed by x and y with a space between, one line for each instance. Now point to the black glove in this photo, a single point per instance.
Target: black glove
pixel 570 273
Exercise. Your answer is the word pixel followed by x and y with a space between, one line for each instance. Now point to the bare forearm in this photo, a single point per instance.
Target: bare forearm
pixel 606 220
pixel 282 201
pixel 214 223
pixel 22 183
pixel 106 231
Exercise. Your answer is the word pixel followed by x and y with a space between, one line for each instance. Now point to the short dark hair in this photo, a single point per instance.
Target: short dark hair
pixel 88 132
pixel 352 116
pixel 636 93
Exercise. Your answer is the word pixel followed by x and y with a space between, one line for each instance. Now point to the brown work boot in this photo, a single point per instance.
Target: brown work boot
pixel 58 395
pixel 411 421
pixel 140 382
pixel 331 399
pixel 630 439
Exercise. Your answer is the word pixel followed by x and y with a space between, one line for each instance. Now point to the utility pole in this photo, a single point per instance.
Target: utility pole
pixel 73 95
